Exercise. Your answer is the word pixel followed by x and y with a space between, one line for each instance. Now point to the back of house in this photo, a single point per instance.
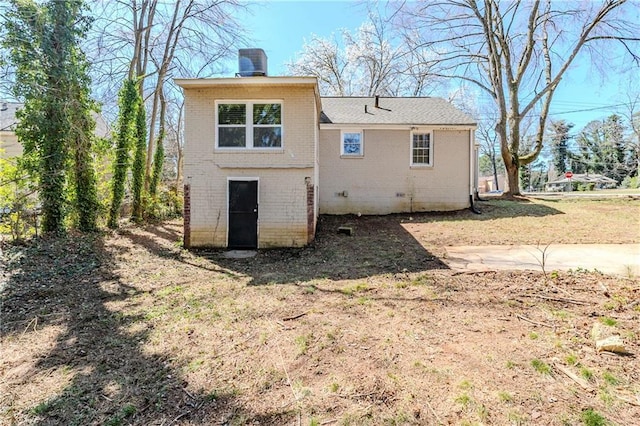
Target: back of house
pixel 381 155
pixel 264 156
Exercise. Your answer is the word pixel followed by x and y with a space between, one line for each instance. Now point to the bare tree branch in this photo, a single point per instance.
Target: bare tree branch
pixel 521 55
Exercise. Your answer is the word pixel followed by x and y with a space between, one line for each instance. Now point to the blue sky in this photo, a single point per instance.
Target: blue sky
pixel 280 27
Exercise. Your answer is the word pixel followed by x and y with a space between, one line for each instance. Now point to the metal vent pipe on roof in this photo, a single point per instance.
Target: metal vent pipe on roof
pixel 377 101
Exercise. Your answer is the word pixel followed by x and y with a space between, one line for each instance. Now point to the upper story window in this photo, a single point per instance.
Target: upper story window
pixel 421 149
pixel 249 125
pixel 351 144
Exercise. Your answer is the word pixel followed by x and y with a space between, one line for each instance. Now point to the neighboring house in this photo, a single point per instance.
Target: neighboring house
pixel 488 184
pixel 588 180
pixel 264 156
pixel 9 145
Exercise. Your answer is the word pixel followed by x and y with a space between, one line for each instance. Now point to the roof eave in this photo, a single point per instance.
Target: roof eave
pixel 198 83
pixel 400 126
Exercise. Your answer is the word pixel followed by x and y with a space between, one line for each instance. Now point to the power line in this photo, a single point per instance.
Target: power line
pixel 590 109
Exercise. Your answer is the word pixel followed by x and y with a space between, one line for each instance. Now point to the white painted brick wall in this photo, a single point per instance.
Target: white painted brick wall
pixel 281 173
pixel 374 181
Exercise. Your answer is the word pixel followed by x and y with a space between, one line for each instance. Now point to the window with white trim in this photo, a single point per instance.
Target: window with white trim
pixel 421 149
pixel 249 125
pixel 351 144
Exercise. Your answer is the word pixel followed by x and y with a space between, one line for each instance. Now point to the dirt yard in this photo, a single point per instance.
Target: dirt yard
pixel 129 328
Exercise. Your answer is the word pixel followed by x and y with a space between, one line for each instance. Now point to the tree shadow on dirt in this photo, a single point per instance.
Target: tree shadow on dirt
pixel 378 245
pixel 71 284
pixel 490 210
pixel 154 241
pixel 161 230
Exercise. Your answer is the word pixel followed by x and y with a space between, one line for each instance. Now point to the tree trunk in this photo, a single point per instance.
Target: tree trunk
pixel 158 158
pixel 137 169
pixel 169 49
pixel 85 179
pixel 513 178
pixel 180 167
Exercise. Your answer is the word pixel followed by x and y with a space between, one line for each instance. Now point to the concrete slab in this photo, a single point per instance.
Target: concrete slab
pixel 614 259
pixel 240 254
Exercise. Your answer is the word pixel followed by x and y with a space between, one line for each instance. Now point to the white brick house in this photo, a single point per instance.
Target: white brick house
pixel 264 156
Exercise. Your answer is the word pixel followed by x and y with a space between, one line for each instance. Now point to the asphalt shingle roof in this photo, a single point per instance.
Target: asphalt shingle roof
pixel 428 111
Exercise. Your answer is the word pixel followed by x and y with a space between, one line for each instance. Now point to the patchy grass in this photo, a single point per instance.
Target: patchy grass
pixel 541 366
pixel 590 417
pixel 608 321
pixel 533 221
pixel 127 328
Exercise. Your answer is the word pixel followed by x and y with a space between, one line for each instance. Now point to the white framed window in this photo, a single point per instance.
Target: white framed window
pixel 249 125
pixel 351 143
pixel 421 149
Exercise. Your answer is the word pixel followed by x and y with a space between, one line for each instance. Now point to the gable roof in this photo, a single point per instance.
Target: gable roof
pixel 391 110
pixel 584 178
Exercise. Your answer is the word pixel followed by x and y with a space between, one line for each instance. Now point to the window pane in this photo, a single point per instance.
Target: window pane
pixel 421 148
pixel 231 113
pixel 421 140
pixel 267 137
pixel 267 114
pixel 351 143
pixel 420 157
pixel 232 137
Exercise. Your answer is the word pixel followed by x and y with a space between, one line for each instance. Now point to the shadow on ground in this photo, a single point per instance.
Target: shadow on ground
pixel 378 245
pixel 74 282
pixel 70 283
pixel 493 209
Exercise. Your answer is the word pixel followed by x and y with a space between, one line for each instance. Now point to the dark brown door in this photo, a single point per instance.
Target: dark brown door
pixel 243 214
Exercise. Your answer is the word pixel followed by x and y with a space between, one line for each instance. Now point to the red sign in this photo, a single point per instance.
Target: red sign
pixel 568 175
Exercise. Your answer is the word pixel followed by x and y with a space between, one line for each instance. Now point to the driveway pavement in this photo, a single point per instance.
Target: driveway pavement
pixel 615 259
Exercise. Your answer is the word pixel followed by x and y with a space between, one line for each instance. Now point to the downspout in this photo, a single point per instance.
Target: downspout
pixel 476 165
pixel 472 207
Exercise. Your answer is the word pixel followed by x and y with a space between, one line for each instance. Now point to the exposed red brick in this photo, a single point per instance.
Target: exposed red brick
pixel 311 229
pixel 187 216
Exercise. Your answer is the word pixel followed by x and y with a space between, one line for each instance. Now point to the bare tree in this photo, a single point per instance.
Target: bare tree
pixel 517 52
pixel 324 58
pixel 375 60
pixel 488 146
pixel 150 40
pixel 632 115
pixel 415 73
pixel 370 61
pixel 174 139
